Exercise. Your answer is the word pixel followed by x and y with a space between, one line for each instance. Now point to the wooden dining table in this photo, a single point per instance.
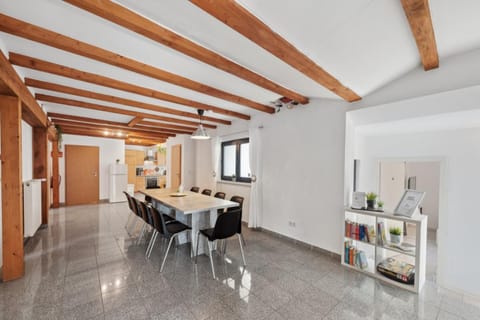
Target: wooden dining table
pixel 194 209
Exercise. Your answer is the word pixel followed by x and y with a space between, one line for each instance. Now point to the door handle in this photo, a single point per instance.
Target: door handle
pixel 95 173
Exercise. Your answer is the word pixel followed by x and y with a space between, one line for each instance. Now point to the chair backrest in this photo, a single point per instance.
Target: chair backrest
pixel 129 200
pixel 136 206
pixel 238 200
pixel 195 189
pixel 207 192
pixel 142 206
pixel 158 221
pixel 220 195
pixel 227 224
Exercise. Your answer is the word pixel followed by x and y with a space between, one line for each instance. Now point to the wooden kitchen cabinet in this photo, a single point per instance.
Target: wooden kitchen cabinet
pixel 139 156
pixel 139 183
pixel 130 161
pixel 161 159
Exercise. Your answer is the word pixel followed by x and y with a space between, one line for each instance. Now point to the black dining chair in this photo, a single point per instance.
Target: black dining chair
pixel 220 195
pixel 130 206
pixel 168 230
pixel 238 200
pixel 145 215
pixel 195 189
pixel 207 192
pixel 226 226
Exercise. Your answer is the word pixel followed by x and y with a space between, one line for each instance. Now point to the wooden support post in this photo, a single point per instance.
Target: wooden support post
pixel 55 175
pixel 12 205
pixel 40 167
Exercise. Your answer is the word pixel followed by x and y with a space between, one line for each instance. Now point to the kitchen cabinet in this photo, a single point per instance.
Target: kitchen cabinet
pixel 139 157
pixel 139 183
pixel 130 161
pixel 161 159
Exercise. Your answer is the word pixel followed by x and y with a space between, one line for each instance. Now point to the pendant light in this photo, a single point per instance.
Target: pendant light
pixel 200 133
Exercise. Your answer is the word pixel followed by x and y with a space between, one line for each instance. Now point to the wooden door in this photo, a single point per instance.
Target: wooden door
pixel 81 174
pixel 176 170
pixel 130 160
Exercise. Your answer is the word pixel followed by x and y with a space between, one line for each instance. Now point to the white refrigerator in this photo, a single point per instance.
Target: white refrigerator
pixel 118 182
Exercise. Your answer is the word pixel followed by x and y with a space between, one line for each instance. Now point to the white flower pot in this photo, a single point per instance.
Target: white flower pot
pixel 395 239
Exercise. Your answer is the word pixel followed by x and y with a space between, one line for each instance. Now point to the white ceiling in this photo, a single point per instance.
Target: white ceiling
pixel 363 43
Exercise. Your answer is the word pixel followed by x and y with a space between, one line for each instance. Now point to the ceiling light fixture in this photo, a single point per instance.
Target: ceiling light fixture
pixel 200 133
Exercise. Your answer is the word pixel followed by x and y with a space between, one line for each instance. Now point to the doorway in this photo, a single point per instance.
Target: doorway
pixel 395 177
pixel 81 175
pixel 176 160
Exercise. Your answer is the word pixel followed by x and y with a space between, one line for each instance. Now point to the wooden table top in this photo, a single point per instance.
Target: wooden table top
pixel 190 203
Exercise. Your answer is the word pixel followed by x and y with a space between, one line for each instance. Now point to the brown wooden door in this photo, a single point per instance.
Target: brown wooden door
pixel 81 174
pixel 176 174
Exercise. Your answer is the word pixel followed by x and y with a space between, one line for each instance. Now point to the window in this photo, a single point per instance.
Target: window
pixel 236 160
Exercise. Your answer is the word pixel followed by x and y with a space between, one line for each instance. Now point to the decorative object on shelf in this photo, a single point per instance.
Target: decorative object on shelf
pixel 380 204
pixel 358 200
pixel 395 235
pixel 409 203
pixel 371 199
pixel 234 177
pixel 200 133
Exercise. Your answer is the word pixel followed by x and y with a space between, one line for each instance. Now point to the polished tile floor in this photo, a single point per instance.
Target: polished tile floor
pixel 85 266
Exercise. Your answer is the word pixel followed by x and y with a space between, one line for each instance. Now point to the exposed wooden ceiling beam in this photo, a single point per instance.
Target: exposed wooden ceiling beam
pixel 122 16
pixel 111 132
pixel 241 20
pixel 418 15
pixel 108 98
pixel 31 110
pixel 160 127
pixel 32 32
pixel 45 66
pixel 99 134
pixel 120 126
pixel 94 106
pixel 132 123
pixel 156 124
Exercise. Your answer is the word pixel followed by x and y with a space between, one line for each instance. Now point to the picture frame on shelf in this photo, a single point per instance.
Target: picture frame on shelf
pixel 358 200
pixel 409 203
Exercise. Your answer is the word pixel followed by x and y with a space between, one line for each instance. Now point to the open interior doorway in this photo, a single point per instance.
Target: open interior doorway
pixel 395 176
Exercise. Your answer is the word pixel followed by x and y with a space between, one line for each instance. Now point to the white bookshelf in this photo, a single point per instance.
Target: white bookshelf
pixel 375 253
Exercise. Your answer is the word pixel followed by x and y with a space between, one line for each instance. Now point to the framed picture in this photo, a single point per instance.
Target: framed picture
pixel 411 199
pixel 358 200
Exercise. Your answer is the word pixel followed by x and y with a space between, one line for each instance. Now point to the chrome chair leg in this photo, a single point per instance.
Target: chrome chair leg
pixel 196 251
pixel 150 243
pixel 166 253
pixel 142 231
pixel 241 248
pixel 153 244
pixel 211 257
pixel 128 220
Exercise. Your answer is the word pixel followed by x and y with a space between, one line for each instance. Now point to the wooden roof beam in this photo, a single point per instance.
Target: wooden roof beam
pixel 32 32
pixel 99 134
pixel 98 107
pixel 123 134
pixel 132 123
pixel 108 98
pixel 45 66
pixel 241 20
pixel 31 110
pixel 159 128
pixel 418 15
pixel 128 19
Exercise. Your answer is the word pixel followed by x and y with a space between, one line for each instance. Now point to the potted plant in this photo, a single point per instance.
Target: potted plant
pixel 371 197
pixel 380 204
pixel 395 235
pixel 234 177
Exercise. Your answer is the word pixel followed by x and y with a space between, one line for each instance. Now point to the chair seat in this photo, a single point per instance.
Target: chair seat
pixel 176 227
pixel 208 233
pixel 167 218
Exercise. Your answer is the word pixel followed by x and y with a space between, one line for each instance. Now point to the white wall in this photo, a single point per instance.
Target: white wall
pixel 427 175
pixel 110 150
pixel 459 219
pixel 27 151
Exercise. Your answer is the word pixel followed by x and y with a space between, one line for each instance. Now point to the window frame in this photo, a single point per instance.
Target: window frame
pixel 237 143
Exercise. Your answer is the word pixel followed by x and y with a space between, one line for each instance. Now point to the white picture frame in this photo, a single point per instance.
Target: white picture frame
pixel 409 203
pixel 358 200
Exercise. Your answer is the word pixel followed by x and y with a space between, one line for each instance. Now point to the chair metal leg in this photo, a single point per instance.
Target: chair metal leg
pixel 243 239
pixel 128 220
pixel 153 244
pixel 150 243
pixel 211 257
pixel 241 248
pixel 141 233
pixel 166 253
pixel 132 225
pixel 224 246
pixel 196 251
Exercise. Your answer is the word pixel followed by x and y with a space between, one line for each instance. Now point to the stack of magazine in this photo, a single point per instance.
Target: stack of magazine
pixel 397 270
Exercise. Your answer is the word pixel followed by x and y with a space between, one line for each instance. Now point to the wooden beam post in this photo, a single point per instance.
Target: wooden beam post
pixel 55 175
pixel 12 204
pixel 40 167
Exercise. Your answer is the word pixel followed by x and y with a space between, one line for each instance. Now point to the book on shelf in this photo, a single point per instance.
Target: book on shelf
pixel 382 238
pixel 404 247
pixel 354 257
pixel 359 231
pixel 397 270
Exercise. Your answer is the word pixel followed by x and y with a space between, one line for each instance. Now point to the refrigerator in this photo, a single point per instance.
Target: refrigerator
pixel 118 182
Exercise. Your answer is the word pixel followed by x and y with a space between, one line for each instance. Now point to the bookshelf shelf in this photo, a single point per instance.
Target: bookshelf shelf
pixel 414 252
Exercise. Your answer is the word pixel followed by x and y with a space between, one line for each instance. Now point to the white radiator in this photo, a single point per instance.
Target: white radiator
pixel 32 206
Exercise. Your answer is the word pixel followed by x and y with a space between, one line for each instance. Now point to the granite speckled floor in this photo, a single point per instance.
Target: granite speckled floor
pixel 85 266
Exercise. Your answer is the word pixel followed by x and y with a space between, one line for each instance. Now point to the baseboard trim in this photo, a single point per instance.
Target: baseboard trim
pixel 328 253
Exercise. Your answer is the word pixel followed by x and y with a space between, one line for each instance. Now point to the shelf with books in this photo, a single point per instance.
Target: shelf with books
pixel 368 232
